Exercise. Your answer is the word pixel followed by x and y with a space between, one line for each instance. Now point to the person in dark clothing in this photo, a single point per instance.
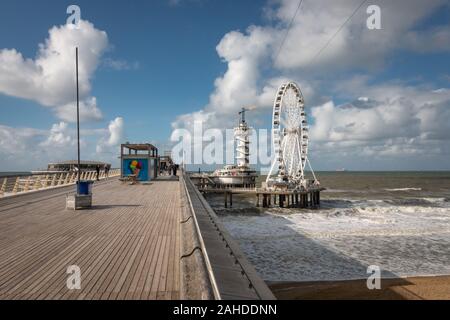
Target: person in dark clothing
pixel 97 169
pixel 175 170
pixel 107 172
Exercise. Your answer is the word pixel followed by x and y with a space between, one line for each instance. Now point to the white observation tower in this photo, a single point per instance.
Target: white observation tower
pixel 238 175
pixel 242 133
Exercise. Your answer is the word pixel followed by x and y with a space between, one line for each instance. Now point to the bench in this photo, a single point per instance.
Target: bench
pixel 132 179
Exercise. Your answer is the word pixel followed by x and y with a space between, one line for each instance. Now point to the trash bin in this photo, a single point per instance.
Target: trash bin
pixel 84 187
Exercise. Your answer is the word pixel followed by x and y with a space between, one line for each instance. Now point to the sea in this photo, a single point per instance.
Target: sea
pixel 14 174
pixel 398 222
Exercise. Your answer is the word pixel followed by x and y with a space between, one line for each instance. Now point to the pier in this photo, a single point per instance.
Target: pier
pixel 155 241
pixel 265 198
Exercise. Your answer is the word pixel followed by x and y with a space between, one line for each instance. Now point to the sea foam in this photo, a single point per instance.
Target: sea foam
pixel 340 243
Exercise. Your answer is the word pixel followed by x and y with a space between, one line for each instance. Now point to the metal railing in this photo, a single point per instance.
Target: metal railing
pixel 221 241
pixel 21 184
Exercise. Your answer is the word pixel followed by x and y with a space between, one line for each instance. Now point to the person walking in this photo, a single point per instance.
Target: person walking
pixel 107 172
pixel 97 170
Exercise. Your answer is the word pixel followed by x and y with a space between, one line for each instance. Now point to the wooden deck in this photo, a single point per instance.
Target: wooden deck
pixel 127 246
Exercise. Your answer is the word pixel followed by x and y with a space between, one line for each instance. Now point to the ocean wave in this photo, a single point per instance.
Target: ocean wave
pixel 401 202
pixel 436 200
pixel 329 190
pixel 252 211
pixel 338 240
pixel 419 202
pixel 403 189
pixel 337 203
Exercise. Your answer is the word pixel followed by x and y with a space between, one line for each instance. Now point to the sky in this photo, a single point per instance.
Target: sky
pixel 376 99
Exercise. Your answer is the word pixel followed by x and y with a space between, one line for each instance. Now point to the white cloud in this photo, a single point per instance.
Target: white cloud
pixel 435 39
pixel 59 136
pixel 243 53
pixel 238 86
pixel 394 117
pixel 248 53
pixel 416 123
pixel 88 111
pixel 350 122
pixel 49 79
pixel 116 131
pixel 114 137
pixel 355 45
pixel 31 149
pixel 15 141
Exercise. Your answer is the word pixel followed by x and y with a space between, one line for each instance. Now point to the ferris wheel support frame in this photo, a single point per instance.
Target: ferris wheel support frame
pixel 297 136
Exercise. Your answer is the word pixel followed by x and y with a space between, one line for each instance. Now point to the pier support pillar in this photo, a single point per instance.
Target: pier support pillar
pixel 281 200
pixel 226 200
pixel 304 200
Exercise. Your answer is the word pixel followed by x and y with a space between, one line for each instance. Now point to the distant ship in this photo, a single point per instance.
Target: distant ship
pixel 341 170
pixel 241 174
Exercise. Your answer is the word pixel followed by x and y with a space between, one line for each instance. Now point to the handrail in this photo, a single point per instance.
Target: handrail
pixel 10 186
pixel 249 272
pixel 211 275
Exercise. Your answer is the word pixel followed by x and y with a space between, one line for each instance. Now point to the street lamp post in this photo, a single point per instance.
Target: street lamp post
pixel 83 197
pixel 78 119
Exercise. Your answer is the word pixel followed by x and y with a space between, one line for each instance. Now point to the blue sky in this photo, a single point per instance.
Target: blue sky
pixel 173 45
pixel 166 63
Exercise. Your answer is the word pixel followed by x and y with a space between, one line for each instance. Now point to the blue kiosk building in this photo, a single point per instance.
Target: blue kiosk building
pixel 139 160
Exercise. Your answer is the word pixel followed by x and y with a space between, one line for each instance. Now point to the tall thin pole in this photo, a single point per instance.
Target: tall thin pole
pixel 78 119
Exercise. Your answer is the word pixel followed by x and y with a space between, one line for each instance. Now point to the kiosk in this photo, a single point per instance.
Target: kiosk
pixel 139 161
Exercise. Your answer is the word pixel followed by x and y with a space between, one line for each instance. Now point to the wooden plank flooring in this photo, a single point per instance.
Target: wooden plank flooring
pixel 127 246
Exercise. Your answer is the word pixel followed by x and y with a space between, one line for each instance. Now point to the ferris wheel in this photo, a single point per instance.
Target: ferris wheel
pixel 290 137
